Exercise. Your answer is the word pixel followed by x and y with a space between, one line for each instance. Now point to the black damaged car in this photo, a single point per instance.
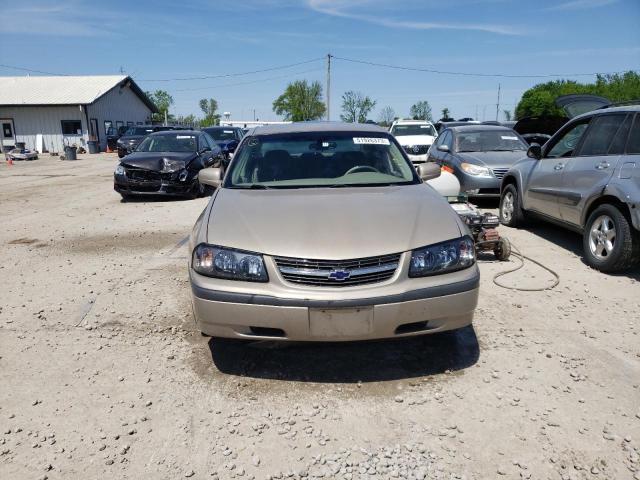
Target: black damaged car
pixel 167 163
pixel 227 139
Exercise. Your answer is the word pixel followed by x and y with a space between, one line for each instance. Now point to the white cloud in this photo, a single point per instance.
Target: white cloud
pixel 353 9
pixel 582 4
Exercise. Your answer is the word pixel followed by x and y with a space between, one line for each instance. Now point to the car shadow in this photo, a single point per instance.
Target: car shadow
pixel 154 199
pixel 572 242
pixel 347 362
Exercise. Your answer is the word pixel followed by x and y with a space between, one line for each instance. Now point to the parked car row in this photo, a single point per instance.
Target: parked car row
pixel 585 176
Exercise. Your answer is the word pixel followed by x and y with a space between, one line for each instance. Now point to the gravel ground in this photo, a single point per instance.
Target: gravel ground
pixel 103 374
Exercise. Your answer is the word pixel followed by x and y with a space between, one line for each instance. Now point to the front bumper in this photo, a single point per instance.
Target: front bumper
pixel 485 186
pixel 165 187
pixel 406 307
pixel 417 159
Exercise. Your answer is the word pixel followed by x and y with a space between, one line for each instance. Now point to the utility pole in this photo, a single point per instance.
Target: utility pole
pixel 498 104
pixel 328 87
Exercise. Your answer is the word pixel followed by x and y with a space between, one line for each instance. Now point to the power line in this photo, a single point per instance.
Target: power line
pixel 288 75
pixel 226 75
pixel 32 71
pixel 470 74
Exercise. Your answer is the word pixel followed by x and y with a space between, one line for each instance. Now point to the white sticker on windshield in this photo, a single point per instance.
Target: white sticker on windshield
pixel 505 137
pixel 371 141
pixel 184 136
pixel 425 126
pixel 228 131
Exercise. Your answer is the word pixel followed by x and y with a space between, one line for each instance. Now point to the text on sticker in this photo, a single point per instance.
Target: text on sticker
pixel 371 141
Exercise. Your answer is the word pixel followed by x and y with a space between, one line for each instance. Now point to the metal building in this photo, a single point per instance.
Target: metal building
pixel 47 113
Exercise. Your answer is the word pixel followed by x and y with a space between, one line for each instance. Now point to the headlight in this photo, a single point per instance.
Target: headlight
pixel 475 170
pixel 120 170
pixel 226 263
pixel 170 166
pixel 443 257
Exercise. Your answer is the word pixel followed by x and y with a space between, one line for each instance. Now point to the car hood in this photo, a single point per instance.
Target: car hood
pixel 159 161
pixel 332 224
pixel 492 159
pixel 129 138
pixel 415 140
pixel 547 124
pixel 225 143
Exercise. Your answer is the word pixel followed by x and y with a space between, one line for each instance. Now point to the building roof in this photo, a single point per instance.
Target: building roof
pixel 64 90
pixel 305 127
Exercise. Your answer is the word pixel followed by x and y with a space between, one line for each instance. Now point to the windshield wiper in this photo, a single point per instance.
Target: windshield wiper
pixel 253 186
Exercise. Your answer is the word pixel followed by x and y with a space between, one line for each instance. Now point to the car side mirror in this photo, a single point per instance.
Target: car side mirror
pixel 210 176
pixel 443 148
pixel 534 151
pixel 428 171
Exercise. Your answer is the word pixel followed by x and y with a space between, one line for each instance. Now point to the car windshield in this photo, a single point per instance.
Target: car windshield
pixel 490 141
pixel 168 143
pixel 415 129
pixel 138 131
pixel 221 133
pixel 321 159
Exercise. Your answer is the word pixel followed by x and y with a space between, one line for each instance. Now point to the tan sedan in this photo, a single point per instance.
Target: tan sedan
pixel 326 232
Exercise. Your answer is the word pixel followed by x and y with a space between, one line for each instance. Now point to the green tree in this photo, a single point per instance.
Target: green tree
pixel 190 120
pixel 356 107
pixel 210 108
pixel 421 111
pixel 163 100
pixel 540 99
pixel 386 117
pixel 445 115
pixel 300 101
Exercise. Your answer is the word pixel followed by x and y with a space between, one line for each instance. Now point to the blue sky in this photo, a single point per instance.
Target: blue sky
pixel 161 39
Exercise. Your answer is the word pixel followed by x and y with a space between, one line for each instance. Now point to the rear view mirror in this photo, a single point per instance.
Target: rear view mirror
pixel 428 171
pixel 443 148
pixel 210 176
pixel 535 151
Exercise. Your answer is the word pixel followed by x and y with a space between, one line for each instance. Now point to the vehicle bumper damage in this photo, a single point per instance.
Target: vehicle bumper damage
pixel 430 305
pixel 137 181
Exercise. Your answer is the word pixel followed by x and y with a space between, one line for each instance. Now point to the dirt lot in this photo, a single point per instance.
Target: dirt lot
pixel 103 374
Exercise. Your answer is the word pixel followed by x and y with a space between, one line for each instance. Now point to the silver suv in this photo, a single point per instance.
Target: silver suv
pixel 586 178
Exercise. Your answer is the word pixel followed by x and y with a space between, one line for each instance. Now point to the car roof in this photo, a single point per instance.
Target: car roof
pixel 604 111
pixel 410 121
pixel 176 132
pixel 478 127
pixel 219 127
pixel 311 127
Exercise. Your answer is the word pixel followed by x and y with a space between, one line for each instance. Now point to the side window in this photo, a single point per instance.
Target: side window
pixel 448 140
pixel 568 141
pixel 210 142
pixel 600 135
pixel 620 139
pixel 633 147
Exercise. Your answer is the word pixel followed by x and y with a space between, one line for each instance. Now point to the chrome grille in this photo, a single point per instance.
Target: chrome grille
pixel 329 273
pixel 416 149
pixel 499 172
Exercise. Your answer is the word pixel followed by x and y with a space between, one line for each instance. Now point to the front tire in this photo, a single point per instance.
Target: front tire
pixel 609 242
pixel 511 213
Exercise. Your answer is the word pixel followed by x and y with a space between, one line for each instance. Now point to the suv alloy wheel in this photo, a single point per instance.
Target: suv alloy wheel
pixel 610 243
